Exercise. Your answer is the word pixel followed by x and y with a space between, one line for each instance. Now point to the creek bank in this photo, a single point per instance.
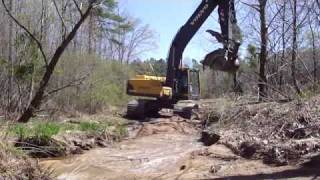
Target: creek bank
pixel 16 166
pixel 61 139
pixel 165 148
pixel 277 133
pixel 22 144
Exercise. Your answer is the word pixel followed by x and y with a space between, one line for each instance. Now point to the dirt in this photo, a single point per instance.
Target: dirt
pixel 169 148
pixel 66 143
pixel 15 166
pixel 167 126
pixel 277 133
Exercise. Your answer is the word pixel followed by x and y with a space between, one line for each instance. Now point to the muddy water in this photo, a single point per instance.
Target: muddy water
pixel 147 157
pixel 168 156
pixel 165 151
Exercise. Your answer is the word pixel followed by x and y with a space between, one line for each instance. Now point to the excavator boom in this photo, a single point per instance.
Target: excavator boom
pixel 183 37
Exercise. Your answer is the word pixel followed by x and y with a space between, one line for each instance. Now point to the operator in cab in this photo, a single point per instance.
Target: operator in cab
pixel 226 58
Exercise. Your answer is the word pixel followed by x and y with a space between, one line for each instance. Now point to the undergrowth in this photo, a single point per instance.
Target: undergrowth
pixel 45 130
pixel 15 164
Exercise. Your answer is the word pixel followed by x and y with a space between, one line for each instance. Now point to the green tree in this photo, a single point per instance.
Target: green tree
pixel 252 57
pixel 159 67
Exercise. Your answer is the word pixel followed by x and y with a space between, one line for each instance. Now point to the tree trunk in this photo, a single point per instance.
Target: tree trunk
pixel 263 53
pixel 294 48
pixel 39 94
pixel 283 37
pixel 10 60
pixel 314 56
pixel 10 34
pixel 90 34
pixel 63 28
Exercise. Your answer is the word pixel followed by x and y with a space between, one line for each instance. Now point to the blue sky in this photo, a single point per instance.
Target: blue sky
pixel 165 17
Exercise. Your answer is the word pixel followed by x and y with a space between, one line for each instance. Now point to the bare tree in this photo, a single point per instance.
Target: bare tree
pixel 294 47
pixel 131 40
pixel 283 38
pixel 140 40
pixel 263 51
pixel 314 53
pixel 50 65
pixel 263 55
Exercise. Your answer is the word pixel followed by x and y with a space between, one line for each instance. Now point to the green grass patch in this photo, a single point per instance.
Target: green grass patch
pixel 122 130
pixel 92 127
pixel 45 131
pixel 42 131
pixel 36 138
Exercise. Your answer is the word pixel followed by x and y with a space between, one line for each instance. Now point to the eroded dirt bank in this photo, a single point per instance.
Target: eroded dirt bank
pixel 168 148
pixel 277 133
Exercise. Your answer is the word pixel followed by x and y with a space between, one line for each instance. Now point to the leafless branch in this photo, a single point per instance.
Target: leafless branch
pixel 73 83
pixel 274 17
pixel 61 18
pixel 254 6
pixel 28 32
pixel 77 6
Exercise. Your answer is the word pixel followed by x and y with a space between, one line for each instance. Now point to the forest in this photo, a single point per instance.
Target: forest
pixel 98 56
pixel 281 52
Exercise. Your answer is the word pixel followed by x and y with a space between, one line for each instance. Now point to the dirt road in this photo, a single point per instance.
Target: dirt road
pixel 168 149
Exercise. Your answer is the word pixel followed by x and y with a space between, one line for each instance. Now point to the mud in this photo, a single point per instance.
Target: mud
pixel 146 157
pixel 277 133
pixel 168 148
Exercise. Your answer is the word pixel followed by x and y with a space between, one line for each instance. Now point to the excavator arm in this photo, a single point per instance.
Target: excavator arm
pixel 184 36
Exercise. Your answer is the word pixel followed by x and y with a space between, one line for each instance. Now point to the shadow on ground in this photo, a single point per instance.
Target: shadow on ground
pixel 310 170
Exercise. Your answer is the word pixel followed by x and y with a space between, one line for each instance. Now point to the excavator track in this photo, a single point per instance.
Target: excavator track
pixel 139 109
pixel 185 108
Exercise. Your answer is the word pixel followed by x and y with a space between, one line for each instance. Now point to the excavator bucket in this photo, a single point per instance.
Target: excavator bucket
pixel 217 60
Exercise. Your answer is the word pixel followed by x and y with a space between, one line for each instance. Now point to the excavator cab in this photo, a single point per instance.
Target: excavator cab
pixel 188 84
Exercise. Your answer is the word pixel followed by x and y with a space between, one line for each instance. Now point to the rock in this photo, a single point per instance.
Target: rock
pixel 276 157
pixel 101 142
pixel 209 137
pixel 212 118
pixel 74 150
pixel 183 167
pixel 248 149
pixel 265 142
pixel 214 169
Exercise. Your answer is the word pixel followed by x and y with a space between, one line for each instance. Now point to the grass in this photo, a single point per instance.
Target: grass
pixel 43 131
pixel 122 130
pixel 15 164
pixel 92 127
pixel 36 138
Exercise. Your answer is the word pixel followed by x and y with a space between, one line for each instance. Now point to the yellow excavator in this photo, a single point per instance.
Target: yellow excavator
pixel 181 86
